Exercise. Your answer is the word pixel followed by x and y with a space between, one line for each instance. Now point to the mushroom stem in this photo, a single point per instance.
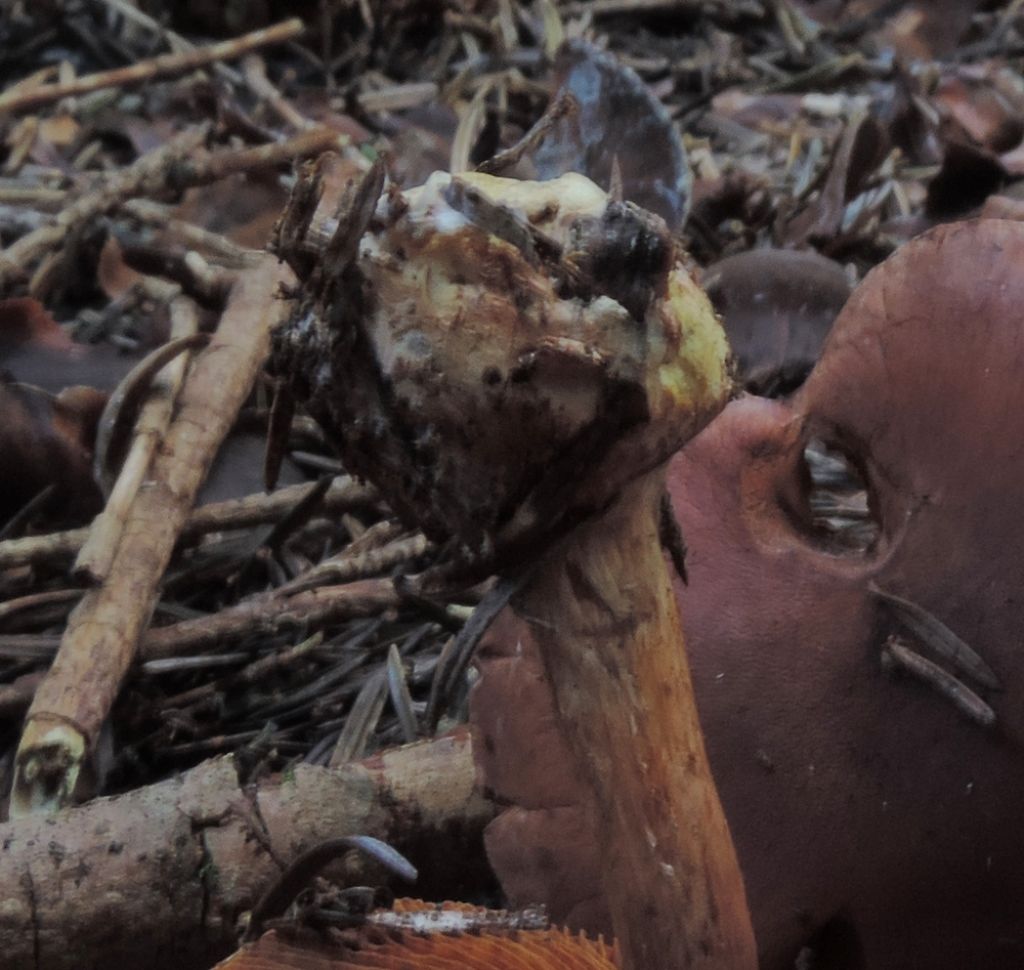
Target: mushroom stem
pixel 502 359
pixel 601 606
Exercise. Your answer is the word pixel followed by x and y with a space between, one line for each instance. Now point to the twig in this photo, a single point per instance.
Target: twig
pixel 97 555
pixel 256 77
pixel 563 106
pixel 45 200
pixel 100 642
pixel 39 550
pixel 28 646
pixel 356 564
pixel 343 495
pixel 249 674
pixel 156 67
pixel 397 97
pixel 174 40
pixel 269 613
pixel 212 166
pixel 179 162
pixel 222 249
pixel 33 601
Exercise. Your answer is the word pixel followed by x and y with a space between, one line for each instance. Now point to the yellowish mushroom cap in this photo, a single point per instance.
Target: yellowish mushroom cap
pixel 503 353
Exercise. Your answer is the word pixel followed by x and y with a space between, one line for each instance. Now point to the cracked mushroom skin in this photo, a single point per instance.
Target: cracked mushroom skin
pixel 512 364
pixel 875 822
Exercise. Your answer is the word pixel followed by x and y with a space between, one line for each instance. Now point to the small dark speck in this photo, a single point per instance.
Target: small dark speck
pixel 115 848
pixel 546 214
pixel 492 375
pixel 522 300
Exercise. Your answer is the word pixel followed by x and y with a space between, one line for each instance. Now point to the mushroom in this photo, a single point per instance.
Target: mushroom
pixel 874 813
pixel 512 363
pixel 777 306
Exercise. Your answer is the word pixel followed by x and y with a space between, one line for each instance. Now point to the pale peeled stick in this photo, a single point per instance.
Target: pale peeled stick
pixel 501 357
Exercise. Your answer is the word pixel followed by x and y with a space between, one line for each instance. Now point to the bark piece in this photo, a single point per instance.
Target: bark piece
pixel 158 877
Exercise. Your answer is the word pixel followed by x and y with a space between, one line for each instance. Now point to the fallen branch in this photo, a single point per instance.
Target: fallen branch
pixel 159 877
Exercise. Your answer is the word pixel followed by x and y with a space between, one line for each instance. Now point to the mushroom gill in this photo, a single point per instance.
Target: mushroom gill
pixel 441 949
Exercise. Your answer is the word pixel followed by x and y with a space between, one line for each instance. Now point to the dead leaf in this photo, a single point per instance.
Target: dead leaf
pixel 619 123
pixel 862 147
pixel 242 208
pixel 113 274
pixel 44 444
pixel 35 350
pixel 986 117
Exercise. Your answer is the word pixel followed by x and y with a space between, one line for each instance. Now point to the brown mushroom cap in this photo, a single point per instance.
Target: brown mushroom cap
pixel 777 306
pixel 865 808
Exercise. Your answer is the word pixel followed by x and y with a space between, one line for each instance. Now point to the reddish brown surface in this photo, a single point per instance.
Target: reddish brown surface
pixel 528 950
pixel 855 800
pixel 602 609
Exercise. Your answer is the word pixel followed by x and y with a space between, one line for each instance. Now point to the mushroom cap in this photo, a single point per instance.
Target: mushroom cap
pixel 504 352
pixel 777 306
pixel 864 806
